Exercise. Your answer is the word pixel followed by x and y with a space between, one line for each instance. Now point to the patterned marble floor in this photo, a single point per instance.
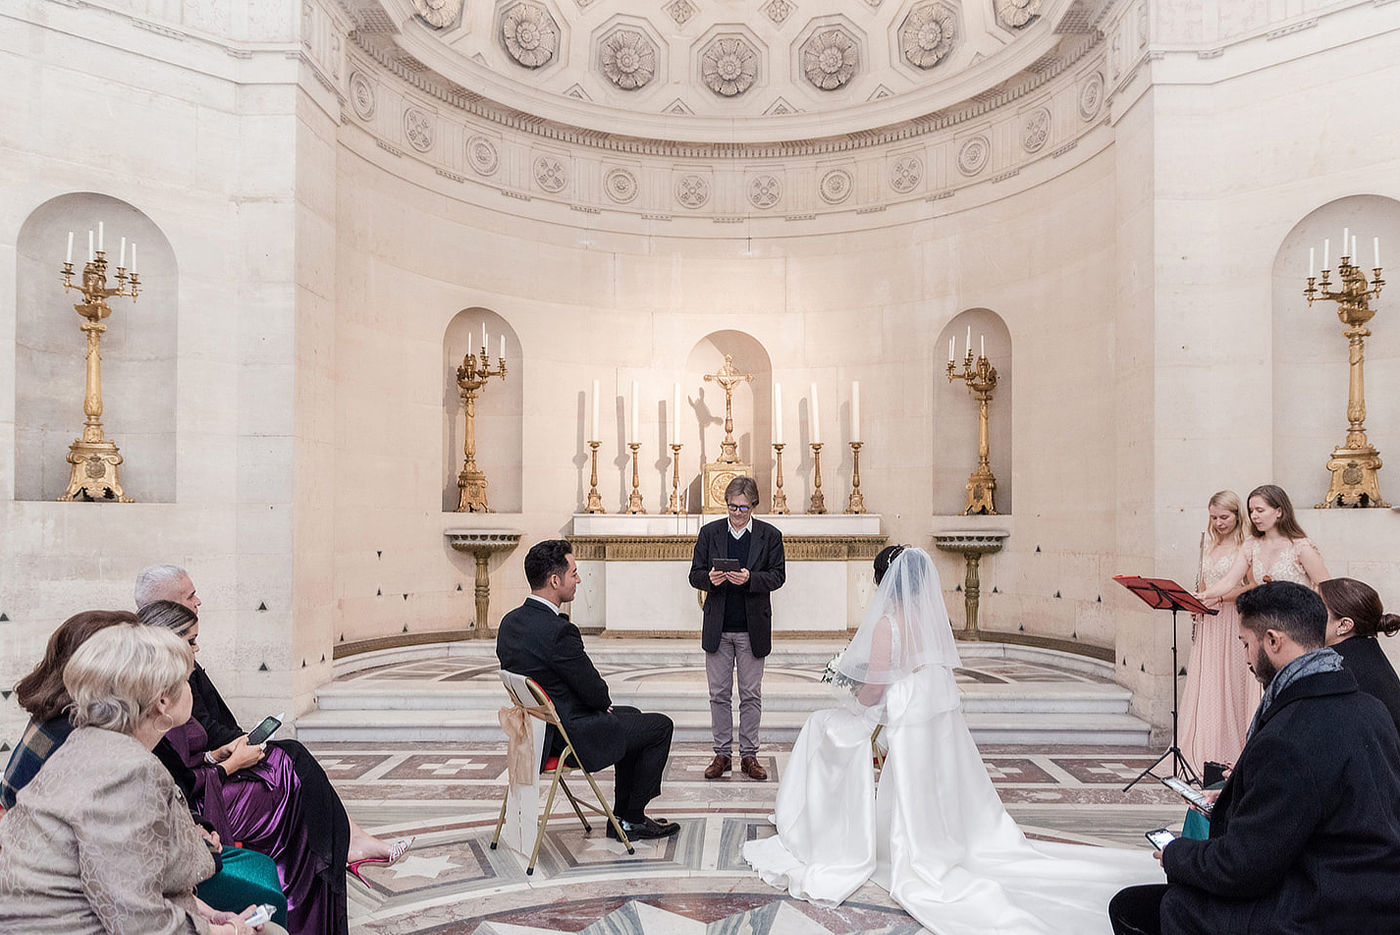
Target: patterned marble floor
pixel 452 883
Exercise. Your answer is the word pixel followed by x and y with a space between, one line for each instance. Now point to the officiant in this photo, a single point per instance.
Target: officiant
pixel 737 628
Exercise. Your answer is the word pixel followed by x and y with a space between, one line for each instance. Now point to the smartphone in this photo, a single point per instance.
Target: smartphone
pixel 725 564
pixel 1160 838
pixel 261 915
pixel 1195 796
pixel 266 729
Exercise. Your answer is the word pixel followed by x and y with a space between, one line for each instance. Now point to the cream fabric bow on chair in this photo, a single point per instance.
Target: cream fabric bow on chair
pixel 524 755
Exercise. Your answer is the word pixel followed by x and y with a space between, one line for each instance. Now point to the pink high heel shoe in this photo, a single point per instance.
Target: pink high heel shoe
pixel 396 850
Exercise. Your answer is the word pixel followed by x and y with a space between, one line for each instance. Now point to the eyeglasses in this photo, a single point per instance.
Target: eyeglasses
pixel 736 508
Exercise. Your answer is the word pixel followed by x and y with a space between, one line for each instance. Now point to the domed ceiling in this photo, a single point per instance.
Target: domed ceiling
pixel 727 71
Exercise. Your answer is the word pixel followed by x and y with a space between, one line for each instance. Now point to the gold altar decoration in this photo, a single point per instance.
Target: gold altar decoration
pixel 595 499
pixel 780 506
pixel 674 506
pixel 718 473
pixel 818 503
pixel 634 502
pixel 94 457
pixel 472 376
pixel 1355 464
pixel 981 379
pixel 856 502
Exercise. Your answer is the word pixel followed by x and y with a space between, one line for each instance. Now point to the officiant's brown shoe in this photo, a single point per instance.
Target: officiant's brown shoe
pixel 752 769
pixel 718 766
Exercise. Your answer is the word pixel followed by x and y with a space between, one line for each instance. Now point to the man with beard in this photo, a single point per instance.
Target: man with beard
pixel 1305 836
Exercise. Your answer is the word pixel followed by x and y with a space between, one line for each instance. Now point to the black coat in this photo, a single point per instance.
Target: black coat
pixel 1305 837
pixel 538 643
pixel 767 572
pixel 1363 657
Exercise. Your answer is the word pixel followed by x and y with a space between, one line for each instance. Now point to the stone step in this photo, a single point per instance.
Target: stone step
pixel 694 727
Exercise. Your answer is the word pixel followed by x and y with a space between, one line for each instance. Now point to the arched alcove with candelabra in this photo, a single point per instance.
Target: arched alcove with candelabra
pixel 972 336
pixel 117 401
pixel 481 468
pixel 1324 404
pixel 702 429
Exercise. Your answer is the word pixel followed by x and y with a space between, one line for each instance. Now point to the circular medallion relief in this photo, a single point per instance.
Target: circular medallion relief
pixel 906 173
pixel 729 65
pixel 764 191
pixel 973 156
pixel 550 173
pixel 418 129
pixel 481 155
pixel 530 34
pixel 927 33
pixel 361 95
pixel 1017 13
pixel 621 185
pixel 829 59
pixel 836 186
pixel 1091 96
pixel 627 58
pixel 1035 131
pixel 692 191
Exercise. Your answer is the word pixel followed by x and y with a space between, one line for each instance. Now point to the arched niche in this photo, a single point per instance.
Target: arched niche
pixel 1310 353
pixel 702 413
pixel 138 350
pixel 499 411
pixel 955 418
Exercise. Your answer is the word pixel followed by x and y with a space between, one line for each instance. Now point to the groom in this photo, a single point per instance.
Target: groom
pixel 537 641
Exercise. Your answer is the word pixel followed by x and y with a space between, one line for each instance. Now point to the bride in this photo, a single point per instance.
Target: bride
pixel 934 834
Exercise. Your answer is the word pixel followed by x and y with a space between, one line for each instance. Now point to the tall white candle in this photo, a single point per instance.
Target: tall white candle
pixel 1354 254
pixel 100 227
pixel 777 413
pixel 133 256
pixel 1312 262
pixel 983 338
pixel 121 260
pixel 1375 245
pixel 951 342
pixel 503 347
pixel 968 349
pixel 594 436
pixel 70 247
pixel 1346 239
pixel 636 421
pixel 855 410
pixel 676 415
pixel 92 250
pixel 483 339
pixel 1326 254
pixel 816 419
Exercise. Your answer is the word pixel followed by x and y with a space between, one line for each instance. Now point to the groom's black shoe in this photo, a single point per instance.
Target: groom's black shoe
pixel 644 829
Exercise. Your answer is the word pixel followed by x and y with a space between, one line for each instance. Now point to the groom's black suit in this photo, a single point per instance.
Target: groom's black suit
pixel 541 644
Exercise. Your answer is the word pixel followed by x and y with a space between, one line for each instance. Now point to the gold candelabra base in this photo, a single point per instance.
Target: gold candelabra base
pixel 855 503
pixel 471 485
pixel 1355 478
pixel 981 491
pixel 595 499
pixel 818 501
pixel 634 502
pixel 673 507
pixel 780 506
pixel 94 473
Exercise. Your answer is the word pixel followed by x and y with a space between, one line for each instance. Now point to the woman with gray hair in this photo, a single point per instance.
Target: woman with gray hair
pixel 100 842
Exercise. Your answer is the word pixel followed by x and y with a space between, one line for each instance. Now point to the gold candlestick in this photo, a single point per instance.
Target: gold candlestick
pixel 1355 464
pixel 981 379
pixel 674 507
pixel 856 503
pixel 595 499
pixel 471 379
pixel 779 498
pixel 94 457
pixel 818 504
pixel 634 502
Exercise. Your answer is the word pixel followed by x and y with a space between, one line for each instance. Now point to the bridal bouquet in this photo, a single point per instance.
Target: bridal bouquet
pixel 831 676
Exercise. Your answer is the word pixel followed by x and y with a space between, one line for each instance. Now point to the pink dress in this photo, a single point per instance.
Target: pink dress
pixel 1286 566
pixel 1221 692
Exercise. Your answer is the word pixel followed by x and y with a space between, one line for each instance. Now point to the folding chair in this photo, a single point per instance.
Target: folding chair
pixel 520 688
pixel 877 752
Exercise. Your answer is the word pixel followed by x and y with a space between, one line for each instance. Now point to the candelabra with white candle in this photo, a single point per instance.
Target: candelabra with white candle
pixel 634 500
pixel 1355 464
pixel 856 502
pixel 595 499
pixel 675 506
pixel 818 501
pixel 780 506
pixel 472 377
pixel 981 379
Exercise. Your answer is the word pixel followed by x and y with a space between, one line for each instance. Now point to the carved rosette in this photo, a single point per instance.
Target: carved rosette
pixel 530 34
pixel 830 58
pixel 973 155
pixel 550 173
pixel 692 191
pixel 681 11
pixel 481 155
pixel 778 11
pixel 1017 13
pixel 627 58
pixel 729 65
pixel 765 191
pixel 418 129
pixel 906 173
pixel 1091 96
pixel 1035 130
pixel 621 185
pixel 361 95
pixel 927 33
pixel 438 13
pixel 836 186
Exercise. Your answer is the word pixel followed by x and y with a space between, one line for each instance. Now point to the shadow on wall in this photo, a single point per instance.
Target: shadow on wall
pixel 138 350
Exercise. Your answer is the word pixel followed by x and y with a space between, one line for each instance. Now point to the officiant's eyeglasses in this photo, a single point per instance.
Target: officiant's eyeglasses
pixel 736 508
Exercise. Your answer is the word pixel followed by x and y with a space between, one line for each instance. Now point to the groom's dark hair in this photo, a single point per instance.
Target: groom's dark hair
pixel 550 557
pixel 1286 606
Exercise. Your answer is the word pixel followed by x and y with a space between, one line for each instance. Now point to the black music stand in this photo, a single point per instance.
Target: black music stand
pixel 1166 594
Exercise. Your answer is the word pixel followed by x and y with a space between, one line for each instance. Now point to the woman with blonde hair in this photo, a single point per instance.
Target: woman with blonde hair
pixel 101 842
pixel 1277 550
pixel 1220 693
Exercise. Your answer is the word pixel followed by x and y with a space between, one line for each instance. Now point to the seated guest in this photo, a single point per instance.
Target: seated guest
pixel 100 842
pixel 242 877
pixel 1305 836
pixel 538 642
pixel 1354 619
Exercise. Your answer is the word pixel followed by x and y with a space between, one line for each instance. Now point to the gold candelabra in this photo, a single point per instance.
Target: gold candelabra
pixel 818 504
pixel 780 506
pixel 1355 464
pixel 471 379
pixel 94 457
pixel 674 507
pixel 856 502
pixel 595 499
pixel 981 379
pixel 634 502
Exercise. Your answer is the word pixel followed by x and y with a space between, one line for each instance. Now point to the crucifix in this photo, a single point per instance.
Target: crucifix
pixel 719 473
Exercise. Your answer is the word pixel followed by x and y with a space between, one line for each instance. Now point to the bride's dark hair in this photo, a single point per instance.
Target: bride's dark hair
pixel 882 561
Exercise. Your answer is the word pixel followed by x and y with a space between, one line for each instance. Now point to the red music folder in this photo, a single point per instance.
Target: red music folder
pixel 1163 594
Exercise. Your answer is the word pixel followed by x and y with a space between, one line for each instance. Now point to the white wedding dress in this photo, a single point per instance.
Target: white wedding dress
pixel 934 834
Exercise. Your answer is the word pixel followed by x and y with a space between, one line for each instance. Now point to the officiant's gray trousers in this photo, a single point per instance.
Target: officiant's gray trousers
pixel 720 666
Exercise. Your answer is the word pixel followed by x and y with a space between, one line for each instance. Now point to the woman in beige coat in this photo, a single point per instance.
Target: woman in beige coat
pixel 101 841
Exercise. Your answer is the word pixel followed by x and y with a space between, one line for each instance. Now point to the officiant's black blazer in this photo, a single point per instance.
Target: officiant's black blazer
pixel 767 572
pixel 538 643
